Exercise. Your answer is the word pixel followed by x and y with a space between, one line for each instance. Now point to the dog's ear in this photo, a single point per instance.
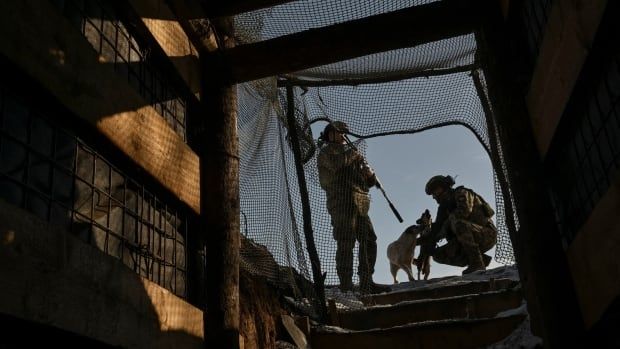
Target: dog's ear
pixel 419 221
pixel 427 212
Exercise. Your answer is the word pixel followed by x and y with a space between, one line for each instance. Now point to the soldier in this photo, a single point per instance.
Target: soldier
pixel 346 178
pixel 464 220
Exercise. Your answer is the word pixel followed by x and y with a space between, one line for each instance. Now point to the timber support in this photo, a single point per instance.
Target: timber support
pixel 408 27
pixel 219 195
pixel 542 262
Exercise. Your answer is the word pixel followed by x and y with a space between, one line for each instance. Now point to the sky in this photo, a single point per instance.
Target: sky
pixel 403 164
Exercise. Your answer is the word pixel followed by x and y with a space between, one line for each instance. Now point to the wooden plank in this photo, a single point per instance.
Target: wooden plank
pixel 195 23
pixel 298 336
pixel 571 29
pixel 223 8
pixel 593 257
pixel 42 43
pixel 485 305
pixel 431 292
pixel 449 334
pixel 167 31
pixel 404 28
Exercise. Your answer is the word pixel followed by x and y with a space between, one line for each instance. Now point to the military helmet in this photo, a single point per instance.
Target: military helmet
pixel 336 126
pixel 439 180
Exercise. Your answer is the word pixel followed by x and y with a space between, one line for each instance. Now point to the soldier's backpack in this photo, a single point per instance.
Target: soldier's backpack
pixel 486 208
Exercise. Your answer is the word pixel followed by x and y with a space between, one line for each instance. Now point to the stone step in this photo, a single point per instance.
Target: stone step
pixel 434 292
pixel 437 334
pixel 484 305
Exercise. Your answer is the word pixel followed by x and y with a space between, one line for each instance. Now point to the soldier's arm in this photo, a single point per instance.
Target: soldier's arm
pixel 464 203
pixel 368 174
pixel 326 172
pixel 429 240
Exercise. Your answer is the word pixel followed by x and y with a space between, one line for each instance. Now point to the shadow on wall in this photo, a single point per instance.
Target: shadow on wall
pixel 52 281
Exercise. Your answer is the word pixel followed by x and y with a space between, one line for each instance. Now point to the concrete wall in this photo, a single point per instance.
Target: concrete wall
pixel 50 277
pixel 571 31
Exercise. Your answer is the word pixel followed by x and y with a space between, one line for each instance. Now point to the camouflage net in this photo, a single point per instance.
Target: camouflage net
pixel 403 91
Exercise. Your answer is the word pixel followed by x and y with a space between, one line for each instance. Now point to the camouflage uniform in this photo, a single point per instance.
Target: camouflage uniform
pixel 464 220
pixel 341 176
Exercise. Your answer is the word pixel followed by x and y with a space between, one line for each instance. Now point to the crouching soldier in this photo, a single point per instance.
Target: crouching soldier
pixel 464 220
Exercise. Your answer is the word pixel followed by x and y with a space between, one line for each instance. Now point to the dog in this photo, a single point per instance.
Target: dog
pixel 400 252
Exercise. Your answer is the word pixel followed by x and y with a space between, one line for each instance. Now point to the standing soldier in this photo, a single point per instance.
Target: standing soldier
pixel 346 178
pixel 464 220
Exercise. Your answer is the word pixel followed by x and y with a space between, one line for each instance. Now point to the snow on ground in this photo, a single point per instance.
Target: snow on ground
pixel 351 300
pixel 344 300
pixel 522 338
pixel 504 272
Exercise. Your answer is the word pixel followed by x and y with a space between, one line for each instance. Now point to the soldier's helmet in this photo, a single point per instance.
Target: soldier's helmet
pixel 439 180
pixel 336 126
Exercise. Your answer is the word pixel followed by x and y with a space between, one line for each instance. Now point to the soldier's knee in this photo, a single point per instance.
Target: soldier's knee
pixel 345 244
pixel 461 227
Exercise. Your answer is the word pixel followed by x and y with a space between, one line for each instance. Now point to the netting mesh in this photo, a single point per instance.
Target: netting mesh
pixel 377 95
pixel 298 16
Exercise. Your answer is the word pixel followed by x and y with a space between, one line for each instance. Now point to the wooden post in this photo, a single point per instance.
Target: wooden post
pixel 542 263
pixel 305 204
pixel 219 198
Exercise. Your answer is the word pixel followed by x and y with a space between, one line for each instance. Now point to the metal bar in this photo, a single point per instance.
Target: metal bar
pixel 376 80
pixel 305 204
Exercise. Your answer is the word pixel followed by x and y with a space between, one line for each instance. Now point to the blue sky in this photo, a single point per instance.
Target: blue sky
pixel 404 163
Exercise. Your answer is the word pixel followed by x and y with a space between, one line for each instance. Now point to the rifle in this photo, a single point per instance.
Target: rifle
pixel 378 184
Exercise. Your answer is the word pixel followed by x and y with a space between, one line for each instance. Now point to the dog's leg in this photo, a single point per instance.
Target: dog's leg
pixel 417 265
pixel 407 269
pixel 426 267
pixel 394 269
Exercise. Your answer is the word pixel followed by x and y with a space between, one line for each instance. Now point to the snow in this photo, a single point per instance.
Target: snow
pixel 504 272
pixel 522 338
pixel 351 300
pixel 344 300
pixel 285 345
pixel 521 310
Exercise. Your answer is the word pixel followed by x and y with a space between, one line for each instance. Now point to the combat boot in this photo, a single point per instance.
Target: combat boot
pixel 474 259
pixel 346 285
pixel 367 286
pixel 486 259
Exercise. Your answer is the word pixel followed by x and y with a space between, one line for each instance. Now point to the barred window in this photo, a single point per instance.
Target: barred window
pixel 133 59
pixel 54 174
pixel 535 14
pixel 586 157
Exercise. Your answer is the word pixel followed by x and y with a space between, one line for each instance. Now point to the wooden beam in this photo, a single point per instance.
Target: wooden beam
pixel 37 39
pixel 570 32
pixel 222 8
pixel 219 183
pixel 194 21
pixel 169 34
pixel 404 28
pixel 543 269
